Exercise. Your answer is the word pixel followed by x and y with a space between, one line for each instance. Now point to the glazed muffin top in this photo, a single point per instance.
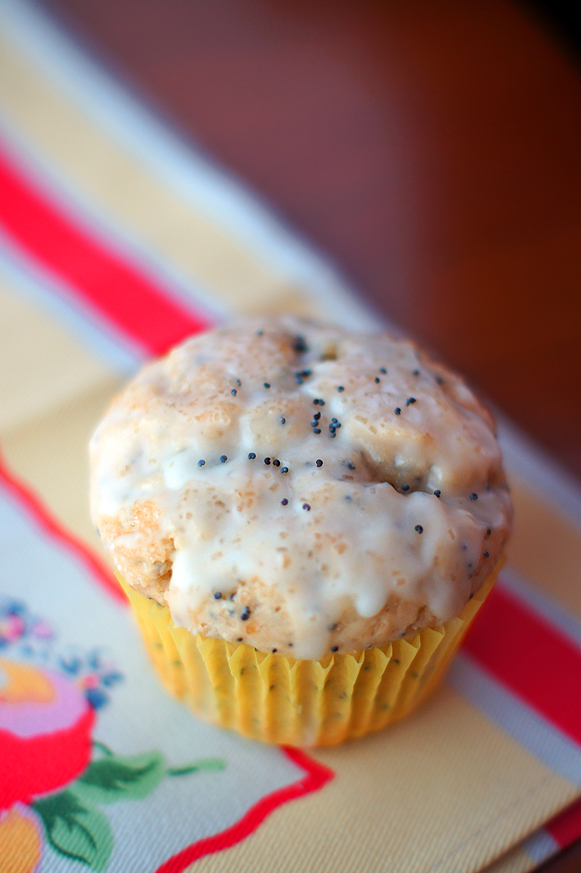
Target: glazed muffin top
pixel 300 488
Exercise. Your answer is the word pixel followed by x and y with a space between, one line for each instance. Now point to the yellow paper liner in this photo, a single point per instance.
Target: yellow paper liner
pixel 293 702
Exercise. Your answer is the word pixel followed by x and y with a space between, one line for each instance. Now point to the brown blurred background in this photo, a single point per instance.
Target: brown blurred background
pixel 432 149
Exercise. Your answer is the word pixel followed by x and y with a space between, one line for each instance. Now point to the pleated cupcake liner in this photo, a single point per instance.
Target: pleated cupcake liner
pixel 277 699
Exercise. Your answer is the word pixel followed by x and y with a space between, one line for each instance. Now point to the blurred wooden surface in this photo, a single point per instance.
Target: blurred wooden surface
pixel 432 149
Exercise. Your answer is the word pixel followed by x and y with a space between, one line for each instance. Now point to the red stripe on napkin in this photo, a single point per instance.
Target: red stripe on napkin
pixel 529 656
pixel 50 526
pixel 98 276
pixel 566 827
pixel 316 776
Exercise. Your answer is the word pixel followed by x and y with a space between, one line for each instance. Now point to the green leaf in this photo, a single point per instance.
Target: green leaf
pixel 102 747
pixel 114 777
pixel 76 830
pixel 207 764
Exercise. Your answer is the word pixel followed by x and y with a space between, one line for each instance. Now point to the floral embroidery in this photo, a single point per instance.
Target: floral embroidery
pixel 59 777
pixel 75 826
pixel 32 638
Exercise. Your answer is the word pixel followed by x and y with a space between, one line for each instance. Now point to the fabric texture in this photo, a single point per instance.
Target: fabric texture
pixel 117 240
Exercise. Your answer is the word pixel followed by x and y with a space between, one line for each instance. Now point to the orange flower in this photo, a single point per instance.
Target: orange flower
pixel 20 841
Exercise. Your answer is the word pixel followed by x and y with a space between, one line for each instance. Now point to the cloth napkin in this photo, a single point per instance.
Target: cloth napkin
pixel 117 240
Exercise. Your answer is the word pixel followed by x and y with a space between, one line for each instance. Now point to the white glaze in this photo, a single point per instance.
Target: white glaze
pixel 222 526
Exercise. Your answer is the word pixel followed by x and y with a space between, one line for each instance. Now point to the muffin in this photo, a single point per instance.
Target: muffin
pixel 305 520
